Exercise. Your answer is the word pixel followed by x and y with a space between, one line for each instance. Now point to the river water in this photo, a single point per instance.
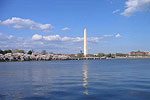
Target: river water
pixel 126 79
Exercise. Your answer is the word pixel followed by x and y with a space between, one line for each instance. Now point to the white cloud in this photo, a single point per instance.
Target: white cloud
pixel 16 22
pixel 135 6
pixel 93 39
pixel 108 35
pixel 10 41
pixel 115 11
pixel 111 35
pixel 77 39
pixel 117 35
pixel 36 37
pixel 65 29
pixel 63 39
pixel 38 42
pixel 52 38
pixel 9 37
pixel 54 43
pixel 66 39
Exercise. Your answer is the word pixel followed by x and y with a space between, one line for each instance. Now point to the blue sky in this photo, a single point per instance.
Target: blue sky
pixel 57 25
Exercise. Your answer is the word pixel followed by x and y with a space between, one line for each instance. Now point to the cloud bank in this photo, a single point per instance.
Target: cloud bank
pixel 39 42
pixel 133 6
pixel 55 43
pixel 63 39
pixel 16 22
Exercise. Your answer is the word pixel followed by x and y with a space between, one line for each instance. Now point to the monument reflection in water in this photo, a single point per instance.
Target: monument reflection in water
pixel 85 77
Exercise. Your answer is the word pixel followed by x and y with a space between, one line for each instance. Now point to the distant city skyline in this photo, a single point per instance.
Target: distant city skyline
pixel 57 26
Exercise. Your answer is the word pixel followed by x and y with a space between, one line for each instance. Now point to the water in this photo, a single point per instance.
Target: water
pixel 127 79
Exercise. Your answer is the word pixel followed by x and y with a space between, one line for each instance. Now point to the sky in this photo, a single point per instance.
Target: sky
pixel 58 25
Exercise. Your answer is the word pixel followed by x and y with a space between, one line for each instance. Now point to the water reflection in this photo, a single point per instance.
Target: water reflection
pixel 85 77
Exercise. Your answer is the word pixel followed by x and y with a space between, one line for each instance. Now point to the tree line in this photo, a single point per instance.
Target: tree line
pixel 14 51
pixel 43 52
pixel 110 55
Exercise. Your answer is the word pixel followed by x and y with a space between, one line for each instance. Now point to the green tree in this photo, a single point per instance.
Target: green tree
pixel 7 51
pixel 91 55
pixel 20 51
pixel 1 51
pixel 30 52
pixel 121 54
pixel 101 54
pixel 110 55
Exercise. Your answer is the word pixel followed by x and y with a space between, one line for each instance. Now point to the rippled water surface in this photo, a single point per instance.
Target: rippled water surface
pixel 127 79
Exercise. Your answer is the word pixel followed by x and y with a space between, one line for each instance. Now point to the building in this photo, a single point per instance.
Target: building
pixel 139 53
pixel 85 43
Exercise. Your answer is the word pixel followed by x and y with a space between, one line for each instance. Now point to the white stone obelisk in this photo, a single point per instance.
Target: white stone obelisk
pixel 85 43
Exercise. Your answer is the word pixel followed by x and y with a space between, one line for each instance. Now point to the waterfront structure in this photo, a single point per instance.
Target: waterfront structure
pixel 139 53
pixel 85 43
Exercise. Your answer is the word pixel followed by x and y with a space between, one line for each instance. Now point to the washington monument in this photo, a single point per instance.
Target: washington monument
pixel 85 43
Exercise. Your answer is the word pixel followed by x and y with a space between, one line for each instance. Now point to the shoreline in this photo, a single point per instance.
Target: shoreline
pixel 78 59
